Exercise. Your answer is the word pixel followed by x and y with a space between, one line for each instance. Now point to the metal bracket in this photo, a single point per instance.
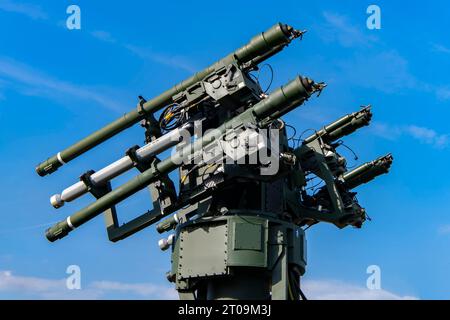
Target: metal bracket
pixel 140 106
pixel 163 196
pixel 112 224
pixel 138 164
pixel 152 129
pixel 97 191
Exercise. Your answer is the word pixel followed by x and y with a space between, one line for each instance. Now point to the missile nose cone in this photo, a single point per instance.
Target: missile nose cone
pixel 59 230
pixel 163 244
pixel 50 236
pixel 56 201
pixel 39 171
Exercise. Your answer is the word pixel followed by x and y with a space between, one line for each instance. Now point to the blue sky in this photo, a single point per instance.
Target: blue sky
pixel 58 85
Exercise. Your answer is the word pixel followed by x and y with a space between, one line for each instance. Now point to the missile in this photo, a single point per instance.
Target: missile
pixel 296 90
pixel 367 172
pixel 343 126
pixel 122 165
pixel 258 49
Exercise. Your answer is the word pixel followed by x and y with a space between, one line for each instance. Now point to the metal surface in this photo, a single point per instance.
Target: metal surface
pixel 120 166
pixel 281 97
pixel 262 45
pixel 247 190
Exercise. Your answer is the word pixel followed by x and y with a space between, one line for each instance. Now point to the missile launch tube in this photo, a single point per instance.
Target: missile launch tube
pixel 367 171
pixel 120 166
pixel 276 37
pixel 294 90
pixel 343 126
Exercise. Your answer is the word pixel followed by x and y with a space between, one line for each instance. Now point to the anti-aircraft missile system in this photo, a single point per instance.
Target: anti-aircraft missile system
pixel 238 212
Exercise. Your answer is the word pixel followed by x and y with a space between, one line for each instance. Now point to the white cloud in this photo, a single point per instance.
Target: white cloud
pixel 339 290
pixel 444 230
pixel 42 288
pixel 440 48
pixel 145 290
pixel 422 134
pixel 314 116
pixel 339 29
pixel 29 81
pixel 175 61
pixel 385 130
pixel 103 36
pixel 443 93
pixel 2 88
pixel 426 135
pixel 29 10
pixel 26 228
pixel 386 71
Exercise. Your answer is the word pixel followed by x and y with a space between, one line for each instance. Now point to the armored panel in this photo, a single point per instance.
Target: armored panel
pixel 297 248
pixel 203 250
pixel 247 241
pixel 274 200
pixel 247 236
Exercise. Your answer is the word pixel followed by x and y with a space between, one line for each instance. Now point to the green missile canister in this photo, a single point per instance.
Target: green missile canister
pixel 343 126
pixel 257 50
pixel 298 89
pixel 367 172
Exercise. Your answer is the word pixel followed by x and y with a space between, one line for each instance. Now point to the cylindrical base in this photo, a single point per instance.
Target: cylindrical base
pixel 245 284
pixel 238 257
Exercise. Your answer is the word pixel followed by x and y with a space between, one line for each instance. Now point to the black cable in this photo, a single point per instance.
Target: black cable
pixel 301 135
pixel 305 131
pixel 281 123
pixel 310 179
pixel 302 294
pixel 295 131
pixel 291 295
pixel 341 143
pixel 185 176
pixel 292 138
pixel 296 142
pixel 296 285
pixel 314 186
pixel 172 116
pixel 208 167
pixel 256 77
pixel 317 189
pixel 271 75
